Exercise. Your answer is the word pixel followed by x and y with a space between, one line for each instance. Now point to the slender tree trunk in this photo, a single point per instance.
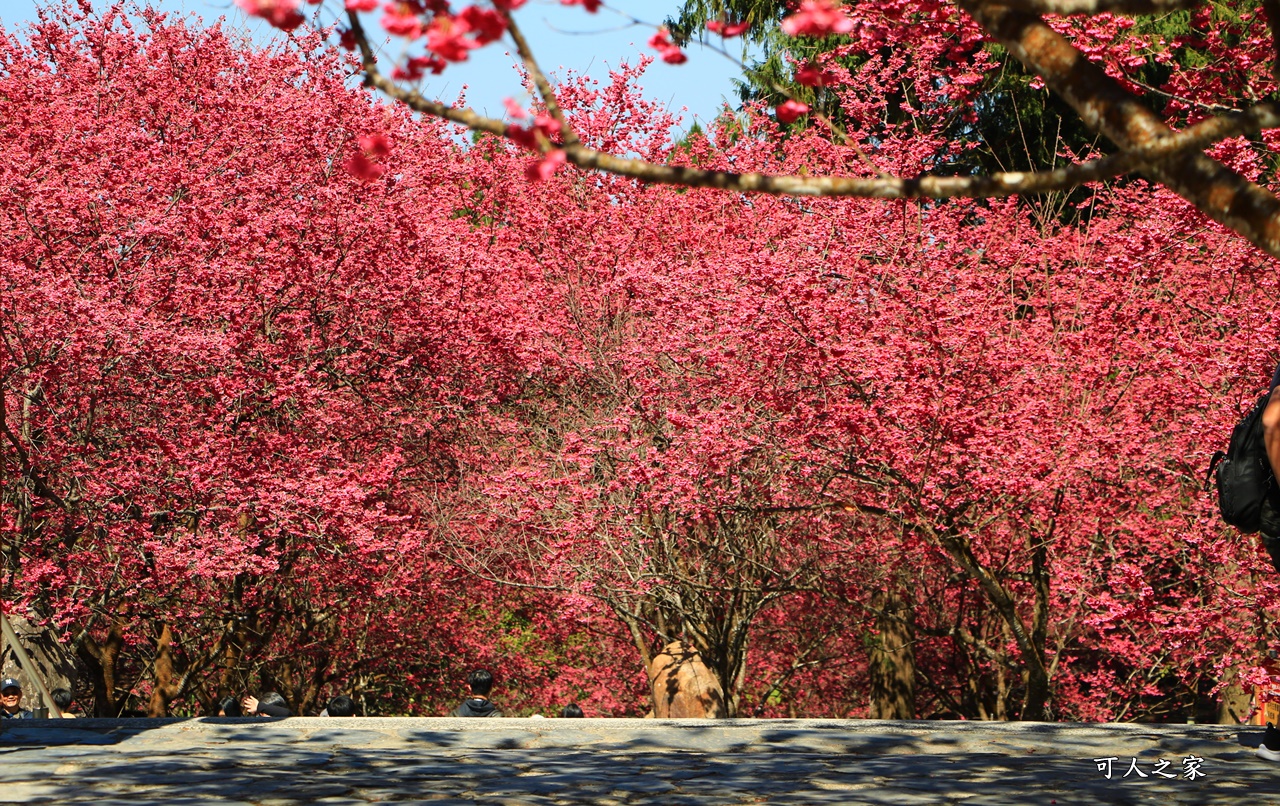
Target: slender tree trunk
pixel 892 662
pixel 167 682
pixel 1036 705
pixel 1030 642
pixel 1235 701
pixel 100 660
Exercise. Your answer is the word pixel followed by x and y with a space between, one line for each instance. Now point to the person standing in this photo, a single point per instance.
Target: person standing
pixel 269 704
pixel 478 704
pixel 341 705
pixel 62 698
pixel 1270 515
pixel 1270 747
pixel 229 706
pixel 11 700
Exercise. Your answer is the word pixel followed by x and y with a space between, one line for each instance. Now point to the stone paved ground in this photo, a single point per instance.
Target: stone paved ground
pixel 622 761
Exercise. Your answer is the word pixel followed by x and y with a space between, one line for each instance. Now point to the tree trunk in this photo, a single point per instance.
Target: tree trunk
pixel 1234 702
pixel 100 660
pixel 1030 642
pixel 1036 706
pixel 892 663
pixel 168 685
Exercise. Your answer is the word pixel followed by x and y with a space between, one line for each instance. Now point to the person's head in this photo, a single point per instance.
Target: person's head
pixel 10 695
pixel 571 711
pixel 229 706
pixel 341 705
pixel 61 698
pixel 481 682
pixel 272 698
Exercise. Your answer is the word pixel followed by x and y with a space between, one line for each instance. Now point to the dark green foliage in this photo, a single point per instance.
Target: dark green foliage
pixel 769 76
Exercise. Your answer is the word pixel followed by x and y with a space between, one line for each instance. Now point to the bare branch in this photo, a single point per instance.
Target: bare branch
pixel 29 470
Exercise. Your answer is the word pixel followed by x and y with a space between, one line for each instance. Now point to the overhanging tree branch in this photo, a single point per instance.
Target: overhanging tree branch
pixel 1109 109
pixel 1149 146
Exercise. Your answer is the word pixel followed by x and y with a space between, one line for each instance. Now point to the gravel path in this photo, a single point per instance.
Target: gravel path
pixel 625 761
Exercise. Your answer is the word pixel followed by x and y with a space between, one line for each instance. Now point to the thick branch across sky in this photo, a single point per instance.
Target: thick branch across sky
pixel 1148 146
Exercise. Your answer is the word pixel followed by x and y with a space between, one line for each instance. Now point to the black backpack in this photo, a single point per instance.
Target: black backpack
pixel 1245 479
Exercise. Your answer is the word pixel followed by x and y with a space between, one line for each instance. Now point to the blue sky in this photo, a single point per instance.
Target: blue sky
pixel 562 38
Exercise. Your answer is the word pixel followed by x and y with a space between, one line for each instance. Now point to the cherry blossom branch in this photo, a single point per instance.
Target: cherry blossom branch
pixel 1199 136
pixel 411 98
pixel 1213 109
pixel 540 81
